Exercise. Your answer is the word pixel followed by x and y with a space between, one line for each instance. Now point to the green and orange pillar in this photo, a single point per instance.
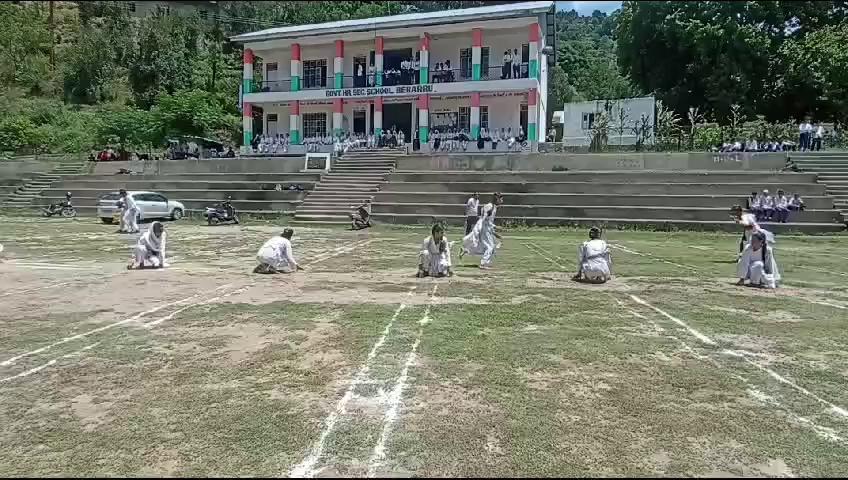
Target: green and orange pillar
pixel 296 67
pixel 532 115
pixel 378 61
pixel 294 123
pixel 424 60
pixel 424 118
pixel 338 65
pixel 247 87
pixel 535 38
pixel 476 54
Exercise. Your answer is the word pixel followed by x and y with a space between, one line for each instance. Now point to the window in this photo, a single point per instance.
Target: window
pixel 203 14
pixel 464 119
pixel 272 117
pixel 156 198
pixel 131 6
pixel 315 73
pixel 525 61
pixel 484 62
pixel 314 124
pixel 465 59
pixel 484 117
pixel 588 121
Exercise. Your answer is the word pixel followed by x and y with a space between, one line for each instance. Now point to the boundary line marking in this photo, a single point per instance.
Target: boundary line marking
pixel 133 318
pixel 395 396
pixel 306 468
pixel 51 362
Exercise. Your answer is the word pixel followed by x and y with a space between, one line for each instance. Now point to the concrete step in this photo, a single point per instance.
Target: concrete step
pixel 459 198
pixel 601 211
pixel 636 177
pixel 327 217
pixel 600 188
pixel 340 187
pixel 727 226
pixel 299 221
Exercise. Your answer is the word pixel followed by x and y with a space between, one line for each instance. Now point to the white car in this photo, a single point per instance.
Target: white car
pixel 150 205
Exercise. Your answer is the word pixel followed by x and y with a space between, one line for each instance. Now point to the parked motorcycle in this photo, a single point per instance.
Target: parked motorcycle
pixel 64 209
pixel 223 212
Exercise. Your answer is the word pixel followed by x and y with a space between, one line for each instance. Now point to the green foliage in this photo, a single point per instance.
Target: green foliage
pixel 778 59
pixel 587 57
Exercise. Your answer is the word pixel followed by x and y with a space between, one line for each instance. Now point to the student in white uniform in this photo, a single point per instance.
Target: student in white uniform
pixel 757 265
pixel 749 226
pixel 766 205
pixel 149 252
pixel 275 255
pixel 130 215
pixel 472 207
pixel 434 259
pixel 483 238
pixel 594 263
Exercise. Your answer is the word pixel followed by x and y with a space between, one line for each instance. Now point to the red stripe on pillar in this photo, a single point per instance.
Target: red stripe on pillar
pixel 248 55
pixel 339 48
pixel 295 108
pixel 535 32
pixel 379 45
pixel 475 99
pixel 378 104
pixel 425 42
pixel 338 105
pixel 295 51
pixel 248 110
pixel 477 37
pixel 424 102
pixel 532 97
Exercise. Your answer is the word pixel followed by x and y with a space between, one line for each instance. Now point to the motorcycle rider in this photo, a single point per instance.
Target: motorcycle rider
pixel 55 208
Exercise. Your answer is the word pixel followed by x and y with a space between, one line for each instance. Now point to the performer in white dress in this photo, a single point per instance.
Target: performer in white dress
pixel 275 255
pixel 594 263
pixel 149 252
pixel 757 264
pixel 434 259
pixel 483 238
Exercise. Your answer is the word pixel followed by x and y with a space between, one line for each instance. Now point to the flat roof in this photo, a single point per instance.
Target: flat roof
pixel 493 12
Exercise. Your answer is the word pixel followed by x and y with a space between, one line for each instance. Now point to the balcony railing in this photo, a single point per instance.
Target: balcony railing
pixel 392 78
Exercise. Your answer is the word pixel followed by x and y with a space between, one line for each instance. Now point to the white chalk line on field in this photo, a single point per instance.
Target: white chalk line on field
pixel 48 364
pixel 306 468
pixel 133 318
pixel 538 251
pixel 339 251
pixel 708 341
pixel 826 433
pixel 171 315
pixel 395 396
pixel 649 255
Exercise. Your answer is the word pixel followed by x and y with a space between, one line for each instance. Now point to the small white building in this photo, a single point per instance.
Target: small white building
pixel 414 72
pixel 578 119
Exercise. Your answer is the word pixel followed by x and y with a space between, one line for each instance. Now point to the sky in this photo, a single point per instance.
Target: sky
pixel 586 8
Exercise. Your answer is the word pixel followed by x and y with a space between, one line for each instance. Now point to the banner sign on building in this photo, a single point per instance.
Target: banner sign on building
pixel 380 91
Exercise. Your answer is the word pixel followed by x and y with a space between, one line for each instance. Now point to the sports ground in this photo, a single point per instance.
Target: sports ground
pixel 357 368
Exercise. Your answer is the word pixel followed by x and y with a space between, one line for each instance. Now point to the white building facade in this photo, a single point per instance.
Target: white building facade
pixel 416 72
pixel 626 117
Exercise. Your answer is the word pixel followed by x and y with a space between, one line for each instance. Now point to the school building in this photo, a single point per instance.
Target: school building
pixel 416 72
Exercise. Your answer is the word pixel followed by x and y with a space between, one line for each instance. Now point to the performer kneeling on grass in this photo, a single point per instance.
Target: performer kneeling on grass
pixel 757 264
pixel 594 263
pixel 482 239
pixel 149 252
pixel 276 256
pixel 434 260
pixel 750 227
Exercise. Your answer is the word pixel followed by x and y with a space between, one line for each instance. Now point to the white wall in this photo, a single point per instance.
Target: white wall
pixel 504 112
pixel 575 135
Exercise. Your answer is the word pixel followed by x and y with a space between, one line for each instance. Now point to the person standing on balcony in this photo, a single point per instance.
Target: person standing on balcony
pixel 506 70
pixel 516 64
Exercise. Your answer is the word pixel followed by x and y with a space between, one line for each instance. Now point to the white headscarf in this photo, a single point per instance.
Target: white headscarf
pixel 150 238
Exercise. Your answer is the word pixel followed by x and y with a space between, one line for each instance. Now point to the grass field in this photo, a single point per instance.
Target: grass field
pixel 357 368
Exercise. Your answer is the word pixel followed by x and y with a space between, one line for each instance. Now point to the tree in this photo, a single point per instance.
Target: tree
pixel 713 54
pixel 817 66
pixel 24 47
pixel 560 91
